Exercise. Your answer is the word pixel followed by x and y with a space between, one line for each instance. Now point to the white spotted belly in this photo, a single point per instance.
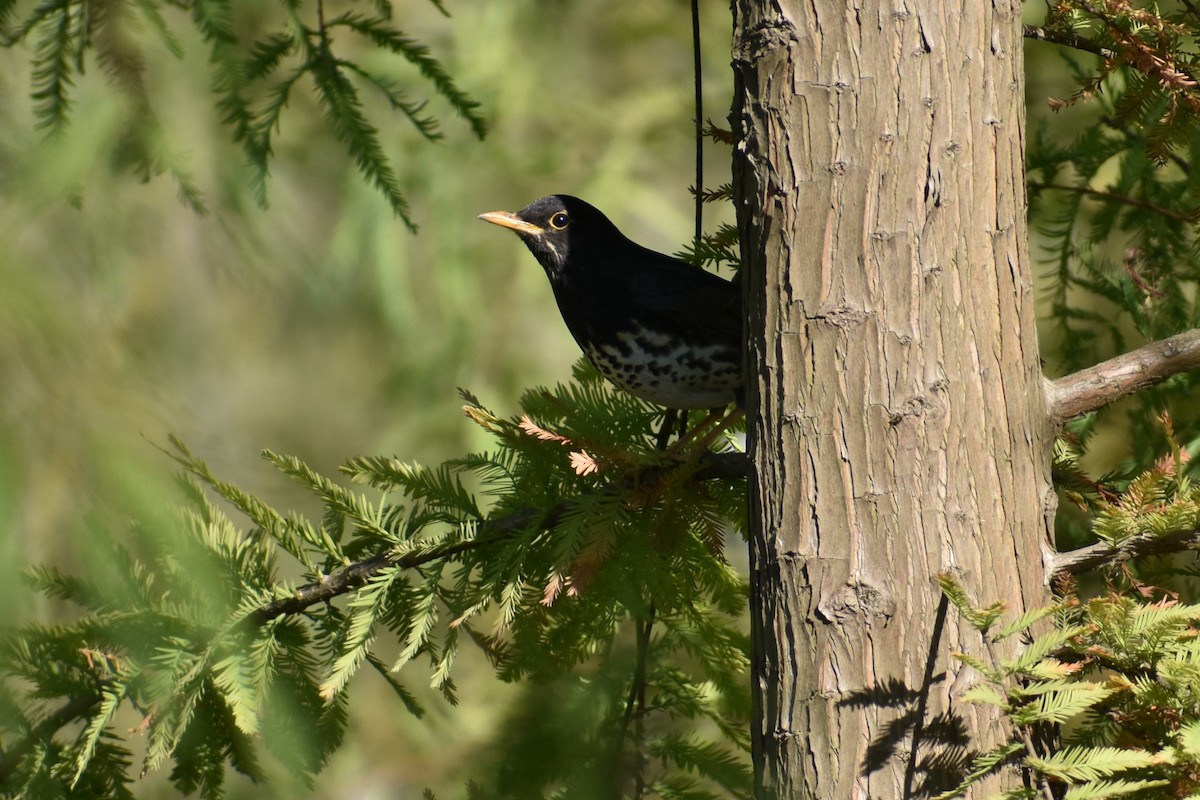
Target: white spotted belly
pixel 674 375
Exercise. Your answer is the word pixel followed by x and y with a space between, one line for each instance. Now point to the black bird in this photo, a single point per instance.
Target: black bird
pixel 659 328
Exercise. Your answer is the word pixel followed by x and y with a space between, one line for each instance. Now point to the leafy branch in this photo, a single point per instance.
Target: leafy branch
pixel 1107 687
pixel 196 632
pixel 254 77
pixel 710 466
pixel 1067 39
pixel 1106 554
pixel 1129 201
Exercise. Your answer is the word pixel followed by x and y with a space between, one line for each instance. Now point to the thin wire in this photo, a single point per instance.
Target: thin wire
pixel 699 84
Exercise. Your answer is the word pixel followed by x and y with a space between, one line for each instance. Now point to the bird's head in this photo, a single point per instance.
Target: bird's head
pixel 560 229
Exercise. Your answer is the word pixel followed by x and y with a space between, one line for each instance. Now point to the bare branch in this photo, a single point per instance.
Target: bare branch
pixel 1103 554
pixel 1109 381
pixel 1117 198
pixel 713 466
pixel 1068 40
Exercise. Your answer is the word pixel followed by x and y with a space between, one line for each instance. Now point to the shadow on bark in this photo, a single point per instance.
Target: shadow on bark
pixel 937 752
pixel 941 756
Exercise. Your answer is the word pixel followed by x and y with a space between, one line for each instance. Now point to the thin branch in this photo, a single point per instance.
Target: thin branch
pixel 712 466
pixel 635 706
pixel 1109 381
pixel 698 81
pixel 1146 60
pixel 321 29
pixel 75 708
pixel 1117 198
pixel 357 575
pixel 1103 554
pixel 1066 39
pixel 1129 132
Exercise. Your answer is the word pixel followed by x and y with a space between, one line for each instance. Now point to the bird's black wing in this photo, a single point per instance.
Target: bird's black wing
pixel 687 297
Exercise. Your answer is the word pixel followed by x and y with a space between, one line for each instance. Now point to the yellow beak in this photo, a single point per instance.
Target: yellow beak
pixel 506 219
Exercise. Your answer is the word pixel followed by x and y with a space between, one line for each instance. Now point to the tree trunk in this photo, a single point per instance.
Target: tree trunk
pixel 896 411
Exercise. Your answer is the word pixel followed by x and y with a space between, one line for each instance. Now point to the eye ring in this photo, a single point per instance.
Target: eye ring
pixel 559 220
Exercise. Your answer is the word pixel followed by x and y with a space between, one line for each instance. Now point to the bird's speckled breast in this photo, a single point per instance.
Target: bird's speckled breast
pixel 661 369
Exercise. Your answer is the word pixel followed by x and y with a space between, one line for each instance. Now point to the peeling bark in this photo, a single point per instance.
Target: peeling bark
pixel 896 404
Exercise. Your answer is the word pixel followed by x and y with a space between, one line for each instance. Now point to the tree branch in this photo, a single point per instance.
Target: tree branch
pixel 1145 59
pixel 1117 198
pixel 1129 132
pixel 1109 381
pixel 1068 40
pixel 75 708
pixel 1102 554
pixel 355 575
pixel 713 466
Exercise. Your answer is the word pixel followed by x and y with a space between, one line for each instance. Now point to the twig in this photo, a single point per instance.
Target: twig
pixel 322 31
pixel 1109 381
pixel 1022 730
pixel 1118 198
pixel 635 705
pixel 1066 39
pixel 712 466
pixel 74 709
pixel 1102 554
pixel 997 665
pixel 356 575
pixel 663 436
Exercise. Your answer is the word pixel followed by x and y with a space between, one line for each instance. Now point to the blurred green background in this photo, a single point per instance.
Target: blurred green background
pixel 320 326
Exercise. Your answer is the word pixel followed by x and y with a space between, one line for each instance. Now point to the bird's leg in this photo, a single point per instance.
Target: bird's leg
pixel 711 426
pixel 664 432
pixel 686 435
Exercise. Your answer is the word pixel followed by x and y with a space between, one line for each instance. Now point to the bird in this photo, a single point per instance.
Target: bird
pixel 657 327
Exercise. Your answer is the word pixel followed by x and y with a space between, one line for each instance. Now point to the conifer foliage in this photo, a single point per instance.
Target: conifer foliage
pixel 1100 697
pixel 574 553
pixel 257 67
pixel 1114 195
pixel 1100 704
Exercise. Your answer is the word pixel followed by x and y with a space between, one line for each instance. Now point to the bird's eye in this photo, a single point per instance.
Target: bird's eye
pixel 558 220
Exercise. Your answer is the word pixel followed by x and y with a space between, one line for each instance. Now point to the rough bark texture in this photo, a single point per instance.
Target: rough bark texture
pixel 897 418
